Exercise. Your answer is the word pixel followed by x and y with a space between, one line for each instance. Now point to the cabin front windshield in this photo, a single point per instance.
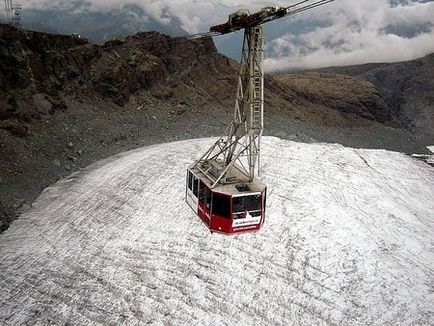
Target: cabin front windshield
pixel 246 203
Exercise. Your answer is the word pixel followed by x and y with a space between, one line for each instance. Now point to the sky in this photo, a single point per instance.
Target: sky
pixel 341 33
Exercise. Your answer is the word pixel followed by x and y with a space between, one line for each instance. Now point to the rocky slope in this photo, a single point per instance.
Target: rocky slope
pixel 65 103
pixel 406 87
pixel 347 95
pixel 39 70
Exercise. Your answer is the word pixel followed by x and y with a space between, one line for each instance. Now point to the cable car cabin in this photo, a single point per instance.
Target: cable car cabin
pixel 230 208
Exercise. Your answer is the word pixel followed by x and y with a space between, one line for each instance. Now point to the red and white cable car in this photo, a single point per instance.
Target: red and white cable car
pixel 231 208
pixel 222 187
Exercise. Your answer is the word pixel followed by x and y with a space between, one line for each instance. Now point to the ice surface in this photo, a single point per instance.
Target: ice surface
pixel 349 239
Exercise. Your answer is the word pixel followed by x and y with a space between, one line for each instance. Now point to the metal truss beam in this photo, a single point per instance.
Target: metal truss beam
pixel 239 149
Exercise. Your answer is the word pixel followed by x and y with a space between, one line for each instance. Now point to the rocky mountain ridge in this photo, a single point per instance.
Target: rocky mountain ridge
pixel 406 87
pixel 66 103
pixel 39 68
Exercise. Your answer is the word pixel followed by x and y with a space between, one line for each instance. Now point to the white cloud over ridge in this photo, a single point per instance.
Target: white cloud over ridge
pixel 192 14
pixel 356 32
pixel 342 33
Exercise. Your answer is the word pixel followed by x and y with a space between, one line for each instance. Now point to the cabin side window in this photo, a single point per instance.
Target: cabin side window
pixel 221 205
pixel 265 199
pixel 195 186
pixel 208 199
pixel 202 193
pixel 193 183
pixel 190 180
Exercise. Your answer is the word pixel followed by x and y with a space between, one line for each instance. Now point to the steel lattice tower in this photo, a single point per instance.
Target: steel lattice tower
pixel 240 148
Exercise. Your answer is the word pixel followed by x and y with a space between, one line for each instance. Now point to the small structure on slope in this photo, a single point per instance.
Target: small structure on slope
pixel 13 13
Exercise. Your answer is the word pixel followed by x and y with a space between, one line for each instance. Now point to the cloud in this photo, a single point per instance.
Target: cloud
pixel 342 33
pixel 357 32
pixel 193 15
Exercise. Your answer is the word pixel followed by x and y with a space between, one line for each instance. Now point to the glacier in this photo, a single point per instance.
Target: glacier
pixel 348 240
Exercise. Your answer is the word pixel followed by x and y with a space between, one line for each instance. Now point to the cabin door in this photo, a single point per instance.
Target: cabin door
pixel 205 203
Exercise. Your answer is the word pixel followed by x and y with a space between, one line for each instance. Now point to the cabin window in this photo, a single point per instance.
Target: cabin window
pixel 195 186
pixel 193 183
pixel 208 199
pixel 265 199
pixel 202 193
pixel 190 180
pixel 247 203
pixel 221 205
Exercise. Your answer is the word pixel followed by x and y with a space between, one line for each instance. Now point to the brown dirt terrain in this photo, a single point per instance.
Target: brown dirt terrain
pixel 65 103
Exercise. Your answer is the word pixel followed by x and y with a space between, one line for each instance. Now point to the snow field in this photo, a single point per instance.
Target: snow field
pixel 348 239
